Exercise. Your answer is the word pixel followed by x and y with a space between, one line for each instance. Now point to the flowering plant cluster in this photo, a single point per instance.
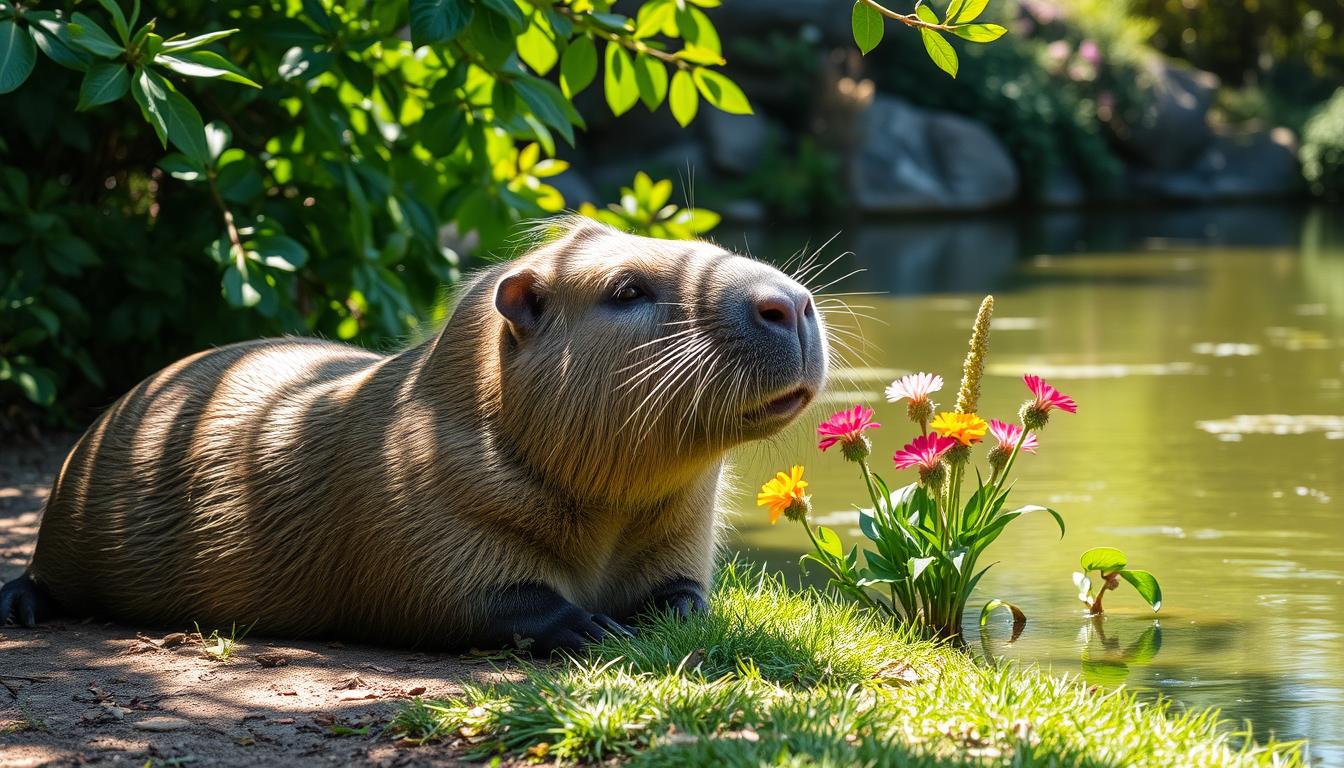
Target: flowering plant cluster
pixel 927 540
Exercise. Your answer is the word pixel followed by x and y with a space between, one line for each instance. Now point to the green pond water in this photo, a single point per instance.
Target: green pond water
pixel 1206 351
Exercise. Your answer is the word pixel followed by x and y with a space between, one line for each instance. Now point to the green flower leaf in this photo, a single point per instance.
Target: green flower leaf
pixel 867 25
pixel 280 252
pixel 979 33
pixel 1019 618
pixel 18 54
pixel 683 99
pixel 536 45
pixel 1104 559
pixel 622 90
pixel 829 542
pixel 1146 585
pixel 118 19
pixel 578 66
pixel 52 36
pixel 720 91
pixel 548 104
pixel 105 82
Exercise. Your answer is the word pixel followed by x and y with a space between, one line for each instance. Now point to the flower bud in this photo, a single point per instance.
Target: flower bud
pixel 857 449
pixel 998 457
pixel 958 455
pixel 919 411
pixel 1034 415
pixel 931 478
pixel 799 509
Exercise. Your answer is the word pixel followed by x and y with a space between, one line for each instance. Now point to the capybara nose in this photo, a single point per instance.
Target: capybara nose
pixel 781 310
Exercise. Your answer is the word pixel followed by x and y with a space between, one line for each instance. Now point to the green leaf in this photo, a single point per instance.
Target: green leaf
pixel 867 25
pixel 218 136
pixel 970 10
pixel 653 16
pixel 238 291
pixel 1104 559
pixel 720 91
pixel 1019 618
pixel 151 101
pixel 578 66
pixel 1147 586
pixel 622 90
pixel 36 383
pixel 683 98
pixel 696 29
pixel 104 82
pixel 436 21
pixel 548 104
pixel 85 33
pixel 979 33
pixel 179 167
pixel 536 45
pixel 939 50
pixel 280 252
pixel 175 45
pixel 205 64
pixel 118 19
pixel 918 565
pixel 926 14
pixel 18 53
pixel 1028 509
pixel 651 77
pixel 510 11
pixel 52 36
pixel 829 542
pixel 953 8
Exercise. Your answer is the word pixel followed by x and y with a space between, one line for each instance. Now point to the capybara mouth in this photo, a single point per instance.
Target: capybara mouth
pixel 786 406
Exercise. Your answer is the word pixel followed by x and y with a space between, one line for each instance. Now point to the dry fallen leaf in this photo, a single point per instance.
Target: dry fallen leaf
pixel 358 694
pixel 350 683
pixel 272 659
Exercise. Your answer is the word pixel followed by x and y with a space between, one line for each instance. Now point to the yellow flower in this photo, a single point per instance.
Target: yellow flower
pixel 965 428
pixel 784 494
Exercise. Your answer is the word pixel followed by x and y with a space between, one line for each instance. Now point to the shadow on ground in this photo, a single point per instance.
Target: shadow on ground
pixel 93 693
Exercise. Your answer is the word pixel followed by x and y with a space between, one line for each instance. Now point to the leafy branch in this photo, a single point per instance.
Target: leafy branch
pixel 868 25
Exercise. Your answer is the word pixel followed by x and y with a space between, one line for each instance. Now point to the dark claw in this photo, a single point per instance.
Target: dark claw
pixel 682 597
pixel 613 626
pixel 24 602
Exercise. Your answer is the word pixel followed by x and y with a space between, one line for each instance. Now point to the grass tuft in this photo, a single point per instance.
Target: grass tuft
pixel 219 647
pixel 773 676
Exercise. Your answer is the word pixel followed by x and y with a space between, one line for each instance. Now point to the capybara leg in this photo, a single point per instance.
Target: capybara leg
pixel 680 596
pixel 538 613
pixel 23 601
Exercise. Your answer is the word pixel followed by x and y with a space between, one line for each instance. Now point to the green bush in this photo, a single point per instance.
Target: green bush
pixel 322 154
pixel 1323 148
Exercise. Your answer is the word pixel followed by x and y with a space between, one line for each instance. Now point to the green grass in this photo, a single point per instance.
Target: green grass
pixel 773 676
pixel 220 647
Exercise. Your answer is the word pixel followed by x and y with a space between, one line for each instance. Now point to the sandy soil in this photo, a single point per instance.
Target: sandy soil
pixel 94 693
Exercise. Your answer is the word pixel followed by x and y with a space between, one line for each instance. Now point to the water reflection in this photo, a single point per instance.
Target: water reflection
pixel 1204 350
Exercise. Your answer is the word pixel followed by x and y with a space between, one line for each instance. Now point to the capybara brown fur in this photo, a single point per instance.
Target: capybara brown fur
pixel 542 470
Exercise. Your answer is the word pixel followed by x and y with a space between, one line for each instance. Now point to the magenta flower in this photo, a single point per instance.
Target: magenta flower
pixel 1047 397
pixel 846 428
pixel 1035 413
pixel 924 452
pixel 1007 434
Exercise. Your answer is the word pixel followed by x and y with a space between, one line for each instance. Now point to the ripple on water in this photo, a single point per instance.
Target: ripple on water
pixel 1275 424
pixel 1225 349
pixel 1093 371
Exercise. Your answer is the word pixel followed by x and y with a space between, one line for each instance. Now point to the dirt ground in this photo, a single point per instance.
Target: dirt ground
pixel 96 693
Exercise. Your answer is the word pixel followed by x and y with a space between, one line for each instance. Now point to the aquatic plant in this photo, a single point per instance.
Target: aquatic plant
pixel 1109 565
pixel 927 542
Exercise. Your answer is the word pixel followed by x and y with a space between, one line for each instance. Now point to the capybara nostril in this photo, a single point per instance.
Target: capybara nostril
pixel 778 310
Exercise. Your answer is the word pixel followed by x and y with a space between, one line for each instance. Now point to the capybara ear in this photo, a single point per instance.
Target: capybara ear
pixel 518 298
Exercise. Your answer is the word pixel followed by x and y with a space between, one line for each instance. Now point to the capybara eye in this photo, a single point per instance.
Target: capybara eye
pixel 629 293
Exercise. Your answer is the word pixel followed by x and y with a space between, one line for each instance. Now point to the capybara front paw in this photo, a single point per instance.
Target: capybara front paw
pixel 681 597
pixel 24 601
pixel 572 630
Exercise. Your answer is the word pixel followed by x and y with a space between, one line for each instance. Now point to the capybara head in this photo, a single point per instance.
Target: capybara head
pixel 628 364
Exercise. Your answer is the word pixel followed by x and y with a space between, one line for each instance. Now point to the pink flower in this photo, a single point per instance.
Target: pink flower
pixel 1047 397
pixel 914 387
pixel 847 428
pixel 1007 434
pixel 924 452
pixel 1089 52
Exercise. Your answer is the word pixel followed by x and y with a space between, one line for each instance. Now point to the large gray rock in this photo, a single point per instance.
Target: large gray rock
pixel 1255 166
pixel 1174 128
pixel 909 159
pixel 737 143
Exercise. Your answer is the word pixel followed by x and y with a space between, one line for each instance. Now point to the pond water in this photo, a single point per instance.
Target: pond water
pixel 1206 351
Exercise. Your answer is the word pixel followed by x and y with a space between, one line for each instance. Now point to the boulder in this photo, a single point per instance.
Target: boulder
pixel 909 159
pixel 737 143
pixel 1259 165
pixel 1174 127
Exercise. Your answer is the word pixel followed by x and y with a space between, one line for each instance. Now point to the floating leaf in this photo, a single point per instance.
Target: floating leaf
pixel 1104 559
pixel 1019 618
